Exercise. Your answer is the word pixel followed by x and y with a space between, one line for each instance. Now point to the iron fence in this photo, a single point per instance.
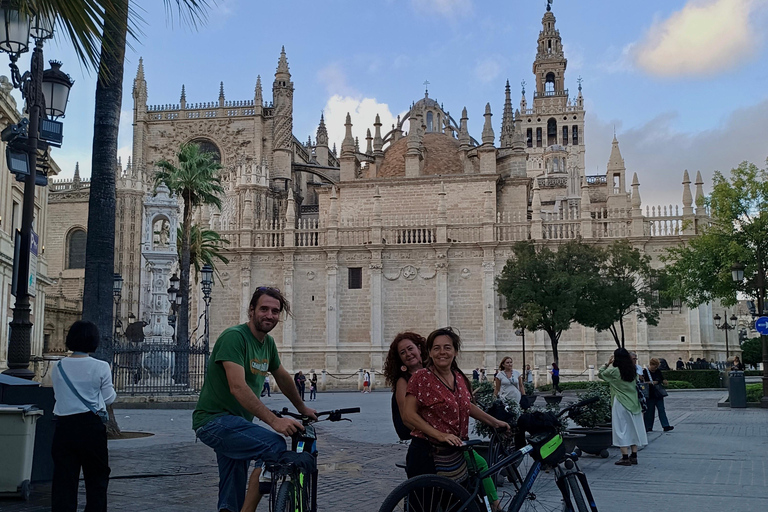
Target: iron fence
pixel 158 368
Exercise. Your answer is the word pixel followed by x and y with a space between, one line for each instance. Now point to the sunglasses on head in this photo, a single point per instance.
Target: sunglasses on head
pixel 267 289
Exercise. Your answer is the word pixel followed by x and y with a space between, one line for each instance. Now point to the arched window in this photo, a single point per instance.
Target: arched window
pixel 549 84
pixel 206 146
pixel 430 121
pixel 575 133
pixel 565 135
pixel 76 249
pixel 551 131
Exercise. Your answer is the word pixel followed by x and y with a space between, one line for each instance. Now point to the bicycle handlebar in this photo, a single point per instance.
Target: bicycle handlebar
pixel 334 415
pixel 578 405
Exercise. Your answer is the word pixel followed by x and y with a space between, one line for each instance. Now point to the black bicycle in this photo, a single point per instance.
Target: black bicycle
pixel 432 493
pixel 294 473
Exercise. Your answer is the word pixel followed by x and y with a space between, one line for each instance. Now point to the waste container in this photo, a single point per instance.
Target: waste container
pixel 17 443
pixel 737 389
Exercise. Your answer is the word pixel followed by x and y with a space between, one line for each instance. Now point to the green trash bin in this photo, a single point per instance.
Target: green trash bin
pixel 17 444
pixel 737 389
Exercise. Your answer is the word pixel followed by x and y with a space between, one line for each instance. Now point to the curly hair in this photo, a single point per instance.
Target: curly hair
pixel 623 361
pixel 393 365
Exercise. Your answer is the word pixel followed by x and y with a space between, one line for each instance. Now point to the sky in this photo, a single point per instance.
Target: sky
pixel 682 83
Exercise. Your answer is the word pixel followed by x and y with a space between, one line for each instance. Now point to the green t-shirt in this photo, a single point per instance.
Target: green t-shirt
pixel 239 345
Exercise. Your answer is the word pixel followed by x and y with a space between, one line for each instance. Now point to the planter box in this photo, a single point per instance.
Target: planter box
pixel 553 399
pixel 596 441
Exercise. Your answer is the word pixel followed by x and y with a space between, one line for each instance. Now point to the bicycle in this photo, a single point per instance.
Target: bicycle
pixel 294 473
pixel 433 493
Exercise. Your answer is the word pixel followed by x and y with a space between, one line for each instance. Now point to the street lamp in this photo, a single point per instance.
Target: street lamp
pixel 174 298
pixel 207 284
pixel 521 332
pixel 726 327
pixel 117 291
pixel 24 140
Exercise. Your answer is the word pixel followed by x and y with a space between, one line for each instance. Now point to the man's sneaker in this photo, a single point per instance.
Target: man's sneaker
pixel 623 462
pixel 667 429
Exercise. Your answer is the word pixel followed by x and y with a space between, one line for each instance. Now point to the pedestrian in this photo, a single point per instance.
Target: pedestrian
pixel 366 382
pixel 83 388
pixel 438 404
pixel 265 389
pixel 508 383
pixel 223 419
pixel 483 376
pixel 528 374
pixel 656 395
pixel 626 412
pixel 405 357
pixel 737 364
pixel 300 381
pixel 680 365
pixel 476 375
pixel 555 371
pixel 638 368
pixel 313 386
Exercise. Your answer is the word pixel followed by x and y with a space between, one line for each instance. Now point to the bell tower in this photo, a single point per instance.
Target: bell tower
pixel 549 66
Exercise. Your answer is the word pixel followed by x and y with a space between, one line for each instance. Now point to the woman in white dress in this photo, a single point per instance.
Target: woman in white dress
pixel 508 382
pixel 626 411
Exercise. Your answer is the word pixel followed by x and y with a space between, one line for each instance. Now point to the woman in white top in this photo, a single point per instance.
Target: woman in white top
pixel 508 382
pixel 80 438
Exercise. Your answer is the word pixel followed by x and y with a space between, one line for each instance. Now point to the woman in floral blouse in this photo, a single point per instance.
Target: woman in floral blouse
pixel 438 403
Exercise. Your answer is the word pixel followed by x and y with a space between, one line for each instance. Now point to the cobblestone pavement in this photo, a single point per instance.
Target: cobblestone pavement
pixel 714 459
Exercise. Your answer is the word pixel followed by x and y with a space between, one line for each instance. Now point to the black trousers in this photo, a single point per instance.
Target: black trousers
pixel 79 441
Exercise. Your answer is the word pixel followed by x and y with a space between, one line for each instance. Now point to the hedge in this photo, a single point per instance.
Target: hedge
pixel 580 385
pixel 699 378
pixel 753 373
pixel 754 392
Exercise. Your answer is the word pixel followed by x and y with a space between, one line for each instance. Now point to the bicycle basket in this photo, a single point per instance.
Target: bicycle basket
pixel 547 448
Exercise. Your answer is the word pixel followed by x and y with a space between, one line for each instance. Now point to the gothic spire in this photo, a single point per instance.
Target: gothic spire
pixel 322 132
pixel 378 142
pixel 615 161
pixel 348 144
pixel 258 95
pixel 283 72
pixel 183 99
pixel 488 135
pixel 221 94
pixel 76 179
pixel 464 139
pixel 507 120
pixel 140 84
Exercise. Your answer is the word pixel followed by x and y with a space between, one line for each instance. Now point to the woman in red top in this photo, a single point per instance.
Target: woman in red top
pixel 438 403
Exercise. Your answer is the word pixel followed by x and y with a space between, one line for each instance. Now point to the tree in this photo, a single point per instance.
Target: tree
pixel 751 352
pixel 543 289
pixel 736 236
pixel 196 181
pixel 205 246
pixel 625 284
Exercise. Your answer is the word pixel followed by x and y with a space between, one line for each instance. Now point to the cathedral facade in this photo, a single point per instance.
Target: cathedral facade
pixel 407 233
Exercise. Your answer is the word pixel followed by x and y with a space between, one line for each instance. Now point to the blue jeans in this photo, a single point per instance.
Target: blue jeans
pixel 237 442
pixel 650 414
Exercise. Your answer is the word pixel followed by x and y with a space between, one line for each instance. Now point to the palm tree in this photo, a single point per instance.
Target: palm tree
pixel 197 182
pixel 205 246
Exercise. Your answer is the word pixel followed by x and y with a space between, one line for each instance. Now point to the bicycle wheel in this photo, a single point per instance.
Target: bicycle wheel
pixel 496 452
pixel 285 501
pixel 578 498
pixel 544 495
pixel 428 493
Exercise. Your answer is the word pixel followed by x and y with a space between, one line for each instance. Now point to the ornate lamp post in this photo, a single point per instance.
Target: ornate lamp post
pixel 207 283
pixel 174 297
pixel 737 273
pixel 117 291
pixel 46 98
pixel 726 327
pixel 521 333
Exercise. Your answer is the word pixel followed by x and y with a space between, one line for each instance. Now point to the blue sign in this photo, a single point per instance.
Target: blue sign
pixel 761 325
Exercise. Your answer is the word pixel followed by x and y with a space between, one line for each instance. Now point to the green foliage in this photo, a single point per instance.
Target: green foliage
pixel 581 384
pixel 737 233
pixel 530 389
pixel 697 378
pixel 679 384
pixel 752 351
pixel 754 392
pixel 484 398
pixel 599 412
pixel 204 247
pixel 543 288
pixel 626 284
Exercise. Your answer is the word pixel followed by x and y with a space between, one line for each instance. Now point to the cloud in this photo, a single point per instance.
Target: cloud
pixel 659 153
pixel 363 112
pixel 488 69
pixel 446 8
pixel 704 38
pixel 334 79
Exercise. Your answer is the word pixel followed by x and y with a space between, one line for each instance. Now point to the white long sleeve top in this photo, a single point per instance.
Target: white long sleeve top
pixel 91 377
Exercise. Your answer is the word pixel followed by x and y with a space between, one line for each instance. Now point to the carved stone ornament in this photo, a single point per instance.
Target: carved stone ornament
pixel 489 266
pixel 424 275
pixel 410 272
pixel 465 273
pixel 311 275
pixel 375 266
pixel 390 277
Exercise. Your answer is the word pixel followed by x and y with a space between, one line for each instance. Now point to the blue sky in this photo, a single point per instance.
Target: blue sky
pixel 684 82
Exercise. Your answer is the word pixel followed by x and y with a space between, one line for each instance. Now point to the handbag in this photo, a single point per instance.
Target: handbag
pixel 659 391
pixel 450 463
pixel 101 413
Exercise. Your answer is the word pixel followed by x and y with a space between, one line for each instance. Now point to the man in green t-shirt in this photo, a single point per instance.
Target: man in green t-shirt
pixel 223 418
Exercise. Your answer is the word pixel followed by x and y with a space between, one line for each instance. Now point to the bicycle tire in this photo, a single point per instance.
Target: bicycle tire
pixel 428 493
pixel 544 495
pixel 579 499
pixel 496 452
pixel 286 497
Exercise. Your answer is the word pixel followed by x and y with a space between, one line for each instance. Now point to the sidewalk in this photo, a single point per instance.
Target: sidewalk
pixel 714 459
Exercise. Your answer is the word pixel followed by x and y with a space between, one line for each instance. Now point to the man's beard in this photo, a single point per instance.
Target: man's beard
pixel 264 326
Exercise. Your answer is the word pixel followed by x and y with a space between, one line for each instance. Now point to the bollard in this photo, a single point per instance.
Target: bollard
pixel 360 379
pixel 323 383
pixel 591 372
pixel 373 379
pixel 535 376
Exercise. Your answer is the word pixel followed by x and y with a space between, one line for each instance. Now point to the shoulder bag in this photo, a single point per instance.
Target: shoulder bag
pixel 102 413
pixel 642 391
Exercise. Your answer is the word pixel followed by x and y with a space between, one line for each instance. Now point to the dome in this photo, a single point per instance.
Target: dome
pixel 441 156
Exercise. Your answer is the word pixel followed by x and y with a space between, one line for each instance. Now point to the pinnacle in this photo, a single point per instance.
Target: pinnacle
pixel 282 63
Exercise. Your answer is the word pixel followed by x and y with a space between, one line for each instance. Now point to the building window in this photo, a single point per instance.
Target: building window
pixel 575 132
pixel 538 137
pixel 206 146
pixel 76 249
pixel 355 278
pixel 430 121
pixel 15 217
pixel 529 137
pixel 565 135
pixel 551 132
